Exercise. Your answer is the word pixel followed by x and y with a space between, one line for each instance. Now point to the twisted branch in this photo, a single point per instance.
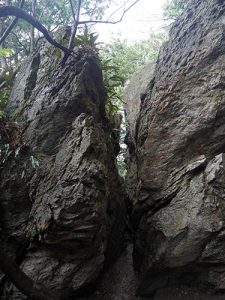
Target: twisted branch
pixel 6 11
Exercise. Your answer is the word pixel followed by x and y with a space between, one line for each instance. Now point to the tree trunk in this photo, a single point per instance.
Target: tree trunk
pixel 24 284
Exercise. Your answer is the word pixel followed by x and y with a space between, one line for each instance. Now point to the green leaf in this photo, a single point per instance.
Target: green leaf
pixel 34 162
pixel 5 52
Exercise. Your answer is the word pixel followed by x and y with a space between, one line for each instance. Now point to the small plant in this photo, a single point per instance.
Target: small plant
pixel 5 153
pixel 5 52
pixel 5 90
pixel 13 147
pixel 4 96
pixel 87 38
pixel 113 84
pixel 34 164
pixel 2 114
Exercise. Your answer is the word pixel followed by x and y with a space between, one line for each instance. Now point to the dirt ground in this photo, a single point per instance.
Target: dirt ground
pixel 120 282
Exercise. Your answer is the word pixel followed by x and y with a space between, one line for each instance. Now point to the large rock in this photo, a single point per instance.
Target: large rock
pixel 179 195
pixel 134 93
pixel 64 221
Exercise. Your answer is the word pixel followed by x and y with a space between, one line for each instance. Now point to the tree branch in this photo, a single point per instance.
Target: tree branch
pixel 72 10
pixel 11 26
pixel 19 13
pixel 108 21
pixel 118 9
pixel 76 22
pixel 21 44
pixel 74 31
pixel 27 286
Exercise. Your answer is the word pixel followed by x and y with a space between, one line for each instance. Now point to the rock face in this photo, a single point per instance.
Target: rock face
pixel 64 221
pixel 136 91
pixel 179 194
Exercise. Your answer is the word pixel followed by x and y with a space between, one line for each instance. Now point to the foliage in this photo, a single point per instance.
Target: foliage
pixel 5 52
pixel 120 60
pixel 174 8
pixel 4 95
pixel 13 147
pixel 95 9
pixel 87 38
pixel 128 58
pixel 53 15
pixel 113 81
pixel 5 91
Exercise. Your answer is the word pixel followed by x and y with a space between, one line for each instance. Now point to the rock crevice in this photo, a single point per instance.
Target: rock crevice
pixel 65 222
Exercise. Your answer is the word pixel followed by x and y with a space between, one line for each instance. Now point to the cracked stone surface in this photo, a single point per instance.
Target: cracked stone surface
pixel 65 221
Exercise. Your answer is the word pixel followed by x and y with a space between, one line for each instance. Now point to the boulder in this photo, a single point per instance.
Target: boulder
pixel 61 202
pixel 178 195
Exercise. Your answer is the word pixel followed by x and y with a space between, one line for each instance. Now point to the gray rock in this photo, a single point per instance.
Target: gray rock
pixel 134 93
pixel 178 195
pixel 64 221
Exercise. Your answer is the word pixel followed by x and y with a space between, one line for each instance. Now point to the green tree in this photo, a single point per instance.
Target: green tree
pixel 123 60
pixel 174 8
pixel 120 60
pixel 52 15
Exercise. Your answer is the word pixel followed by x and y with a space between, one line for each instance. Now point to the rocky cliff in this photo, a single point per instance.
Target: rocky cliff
pixel 177 157
pixel 64 221
pixel 62 206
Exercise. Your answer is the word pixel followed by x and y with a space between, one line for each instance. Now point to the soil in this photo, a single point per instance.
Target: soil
pixel 120 283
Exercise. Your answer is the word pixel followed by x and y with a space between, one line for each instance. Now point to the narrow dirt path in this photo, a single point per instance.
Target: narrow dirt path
pixel 120 282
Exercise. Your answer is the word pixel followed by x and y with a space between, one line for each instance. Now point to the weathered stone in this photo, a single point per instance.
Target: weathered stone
pixel 69 214
pixel 178 198
pixel 134 93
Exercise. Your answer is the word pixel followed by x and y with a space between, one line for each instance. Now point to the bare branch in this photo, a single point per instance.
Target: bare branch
pixel 108 21
pixel 118 9
pixel 76 22
pixel 18 12
pixel 74 31
pixel 72 10
pixel 11 26
pixel 42 37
